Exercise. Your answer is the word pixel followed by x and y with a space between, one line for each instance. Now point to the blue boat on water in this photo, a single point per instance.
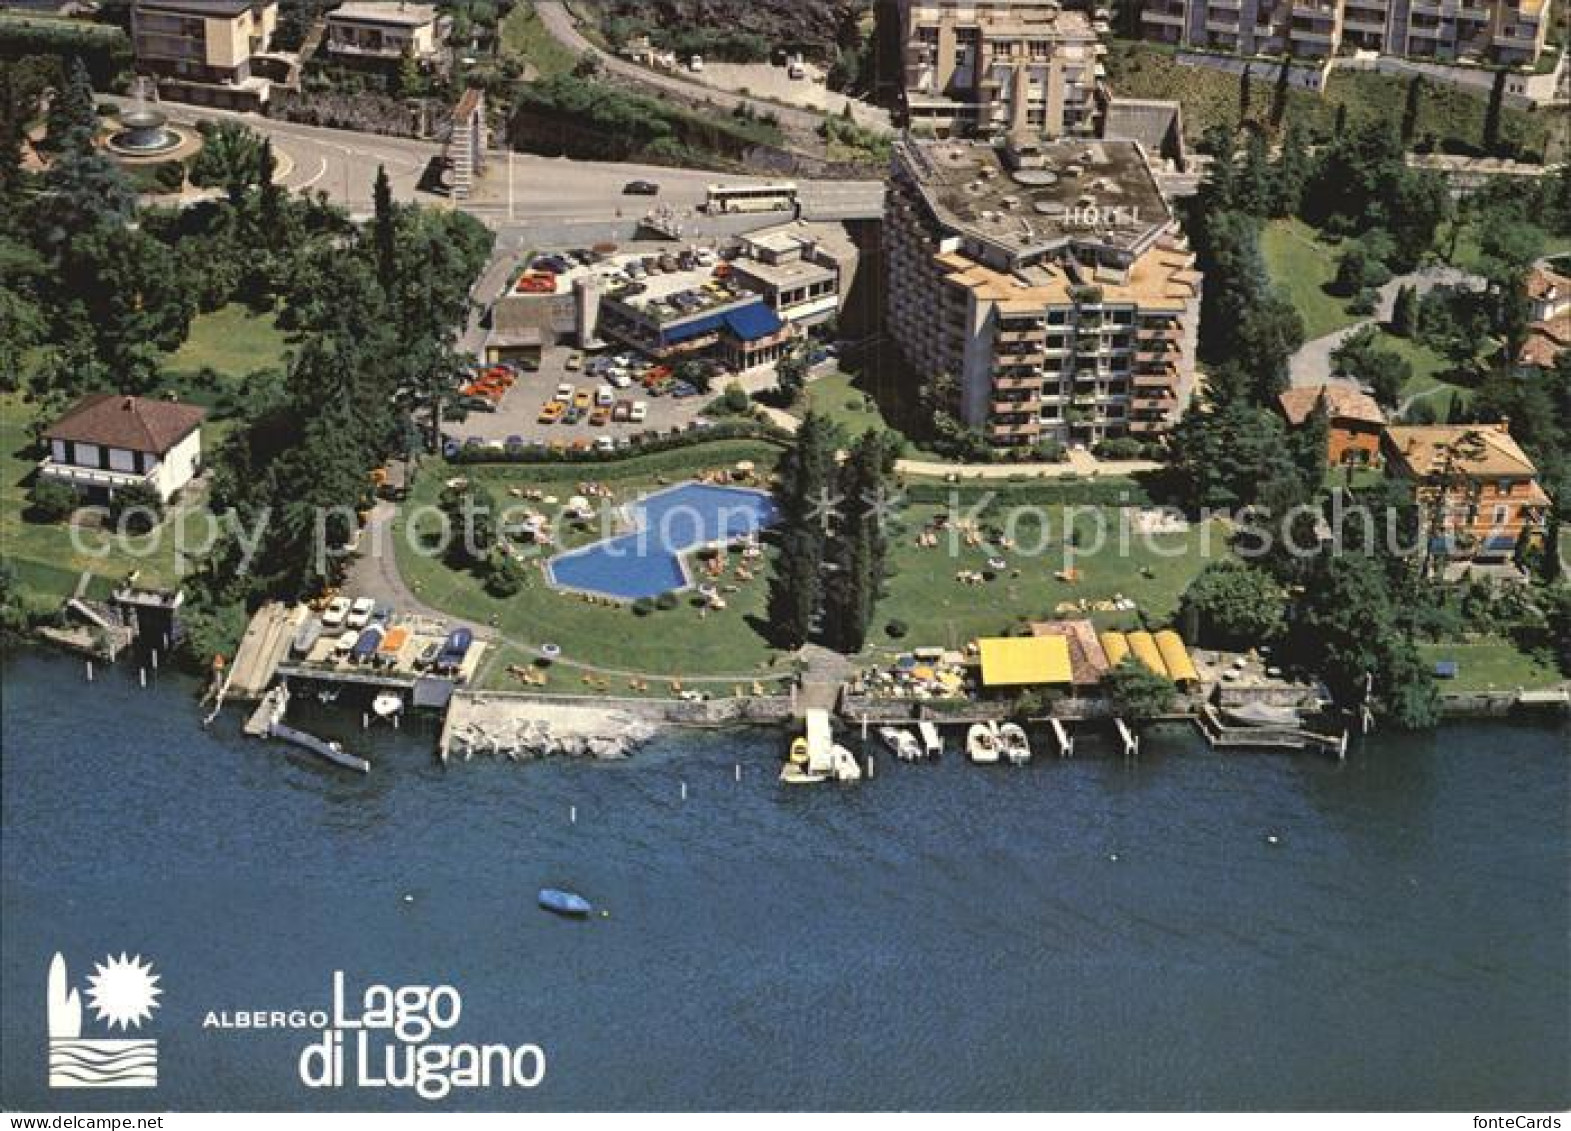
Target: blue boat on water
pixel 566 903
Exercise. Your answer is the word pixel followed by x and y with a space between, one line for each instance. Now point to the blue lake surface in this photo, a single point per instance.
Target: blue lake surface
pixel 1083 934
pixel 670 523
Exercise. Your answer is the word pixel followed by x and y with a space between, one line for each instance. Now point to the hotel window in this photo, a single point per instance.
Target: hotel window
pixel 1502 515
pixel 1504 487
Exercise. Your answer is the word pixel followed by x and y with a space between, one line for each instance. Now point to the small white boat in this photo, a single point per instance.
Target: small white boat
pixel 1017 748
pixel 844 764
pixel 792 774
pixel 902 744
pixel 932 739
pixel 387 704
pixel 982 743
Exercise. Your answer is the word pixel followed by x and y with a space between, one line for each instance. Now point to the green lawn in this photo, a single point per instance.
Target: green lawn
pixel 1490 665
pixel 524 37
pixel 677 641
pixel 1429 369
pixel 1300 264
pixel 47 562
pixel 940 610
pixel 837 397
pixel 233 341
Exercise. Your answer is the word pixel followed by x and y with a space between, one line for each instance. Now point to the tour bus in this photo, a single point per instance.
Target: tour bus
pixel 780 197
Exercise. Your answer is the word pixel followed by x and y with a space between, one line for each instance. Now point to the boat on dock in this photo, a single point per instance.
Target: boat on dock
pixel 1017 747
pixel 815 757
pixel 1262 715
pixel 902 743
pixel 932 739
pixel 568 904
pixel 309 633
pixel 982 743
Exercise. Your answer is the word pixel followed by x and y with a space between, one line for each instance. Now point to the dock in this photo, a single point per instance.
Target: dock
pixel 267 641
pixel 1224 737
pixel 329 750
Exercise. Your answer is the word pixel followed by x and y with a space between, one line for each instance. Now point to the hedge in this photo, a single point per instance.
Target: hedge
pixel 1015 492
pixel 106 50
pixel 721 430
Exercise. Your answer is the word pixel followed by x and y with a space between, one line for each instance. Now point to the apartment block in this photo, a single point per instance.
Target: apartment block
pixel 989 67
pixel 1511 32
pixel 1041 290
pixel 212 43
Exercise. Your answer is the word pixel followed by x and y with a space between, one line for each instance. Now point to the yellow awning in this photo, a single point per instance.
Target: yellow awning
pixel 1025 661
pixel 1116 645
pixel 1144 647
pixel 1179 666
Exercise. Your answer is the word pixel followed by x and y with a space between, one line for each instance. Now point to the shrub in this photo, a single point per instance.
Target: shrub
pixel 643 607
pixel 1119 447
pixel 137 507
pixel 667 601
pixel 896 629
pixel 51 501
pixel 505 577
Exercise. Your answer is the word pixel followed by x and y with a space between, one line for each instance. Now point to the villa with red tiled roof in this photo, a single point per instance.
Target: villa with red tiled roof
pixel 1549 307
pixel 108 442
pixel 1356 421
pixel 1493 502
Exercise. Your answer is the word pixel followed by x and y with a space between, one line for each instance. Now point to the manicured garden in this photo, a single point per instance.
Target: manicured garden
pixel 676 641
pixel 1490 664
pixel 1301 264
pixel 231 342
pixel 836 397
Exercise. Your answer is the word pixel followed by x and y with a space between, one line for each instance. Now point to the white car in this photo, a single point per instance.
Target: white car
pixel 620 378
pixel 605 396
pixel 640 412
pixel 360 613
pixel 564 393
pixel 605 444
pixel 336 611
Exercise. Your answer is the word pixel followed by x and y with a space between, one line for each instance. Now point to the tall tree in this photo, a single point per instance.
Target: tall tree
pixel 1493 113
pixel 1284 78
pixel 73 115
pixel 1243 95
pixel 1411 109
pixel 384 231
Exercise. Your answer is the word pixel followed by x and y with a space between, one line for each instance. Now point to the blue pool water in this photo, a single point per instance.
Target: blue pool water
pixel 670 523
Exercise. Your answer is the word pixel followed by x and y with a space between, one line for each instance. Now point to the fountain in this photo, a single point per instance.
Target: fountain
pixel 144 132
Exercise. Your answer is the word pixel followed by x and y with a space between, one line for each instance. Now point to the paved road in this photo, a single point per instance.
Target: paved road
pixel 562 27
pixel 551 201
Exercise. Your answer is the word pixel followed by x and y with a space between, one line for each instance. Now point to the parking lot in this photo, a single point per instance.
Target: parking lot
pixel 517 418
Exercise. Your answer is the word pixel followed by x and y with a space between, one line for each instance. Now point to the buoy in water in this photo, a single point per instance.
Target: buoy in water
pixel 408 898
pixel 1273 839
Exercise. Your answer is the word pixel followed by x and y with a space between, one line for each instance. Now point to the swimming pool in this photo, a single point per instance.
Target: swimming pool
pixel 668 525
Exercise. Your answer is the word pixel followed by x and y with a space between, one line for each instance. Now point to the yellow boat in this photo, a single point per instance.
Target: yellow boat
pixel 798 755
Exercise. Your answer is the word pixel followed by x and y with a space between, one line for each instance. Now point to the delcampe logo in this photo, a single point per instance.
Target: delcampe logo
pixel 122 992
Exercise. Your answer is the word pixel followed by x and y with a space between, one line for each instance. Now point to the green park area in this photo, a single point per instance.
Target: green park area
pixel 1489 664
pixel 232 342
pixel 935 595
pixel 837 397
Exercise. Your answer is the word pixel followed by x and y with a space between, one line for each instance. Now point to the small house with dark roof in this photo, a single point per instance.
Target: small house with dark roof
pixel 1355 421
pixel 108 442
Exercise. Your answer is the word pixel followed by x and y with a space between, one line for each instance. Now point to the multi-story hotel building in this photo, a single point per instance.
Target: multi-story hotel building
pixel 1042 290
pixel 1510 32
pixel 206 50
pixel 990 67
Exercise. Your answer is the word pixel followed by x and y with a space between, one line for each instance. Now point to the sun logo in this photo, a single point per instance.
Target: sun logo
pixel 123 991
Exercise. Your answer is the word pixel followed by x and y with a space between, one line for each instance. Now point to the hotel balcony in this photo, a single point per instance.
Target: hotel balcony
pixel 1025 429
pixel 1006 409
pixel 1141 427
pixel 1017 384
pixel 1154 381
pixel 1158 16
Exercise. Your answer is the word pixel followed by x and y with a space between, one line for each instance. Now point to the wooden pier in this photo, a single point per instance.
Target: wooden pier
pixel 1224 737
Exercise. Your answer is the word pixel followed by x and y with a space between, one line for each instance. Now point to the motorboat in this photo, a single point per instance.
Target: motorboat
pixel 798 754
pixel 793 774
pixel 387 704
pixel 932 739
pixel 1017 748
pixel 982 743
pixel 307 636
pixel 568 904
pixel 902 744
pixel 1263 715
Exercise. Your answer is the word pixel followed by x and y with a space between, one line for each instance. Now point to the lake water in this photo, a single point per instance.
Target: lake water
pixel 1086 934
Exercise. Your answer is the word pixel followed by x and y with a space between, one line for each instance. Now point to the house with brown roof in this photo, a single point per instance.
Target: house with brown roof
pixel 108 442
pixel 1549 311
pixel 1356 420
pixel 1485 486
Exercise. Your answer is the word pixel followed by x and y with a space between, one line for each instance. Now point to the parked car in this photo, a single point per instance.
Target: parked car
pixel 564 392
pixel 573 415
pixel 451 448
pixel 583 399
pixel 605 444
pixel 641 188
pixel 681 390
pixel 336 611
pixel 639 412
pixel 575 362
pixel 600 417
pixel 429 654
pixel 605 396
pixel 360 613
pixel 551 412
pixel 622 411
